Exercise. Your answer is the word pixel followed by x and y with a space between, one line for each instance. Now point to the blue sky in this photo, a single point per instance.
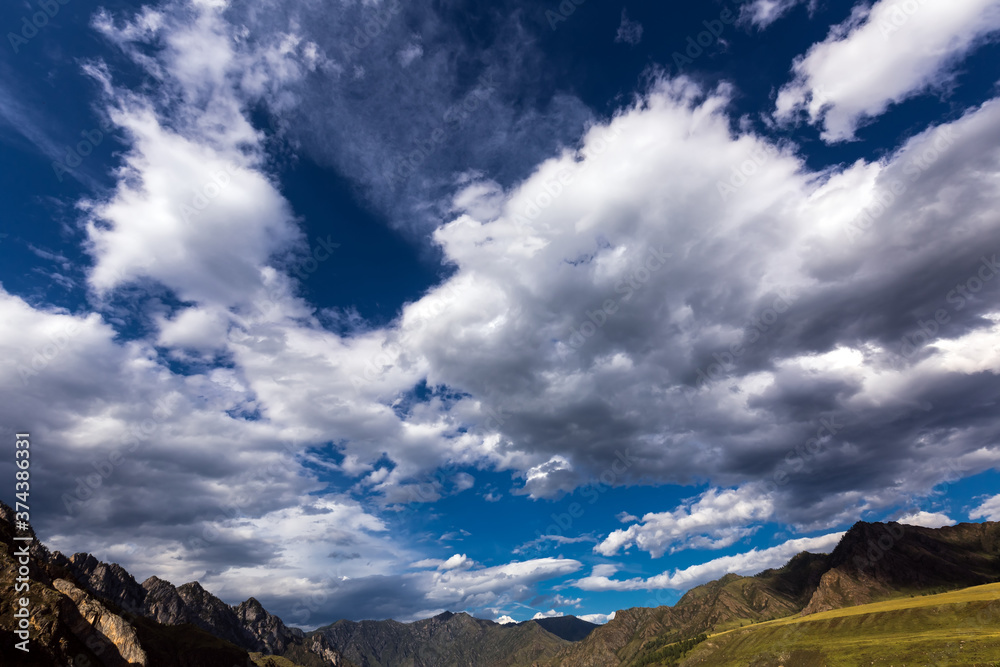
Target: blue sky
pixel 373 310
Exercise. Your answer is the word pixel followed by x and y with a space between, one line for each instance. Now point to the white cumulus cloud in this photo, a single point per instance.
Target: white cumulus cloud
pixel 881 56
pixel 715 520
pixel 927 519
pixel 599 619
pixel 989 510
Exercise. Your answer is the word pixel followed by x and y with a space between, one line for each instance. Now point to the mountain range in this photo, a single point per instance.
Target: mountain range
pixel 87 612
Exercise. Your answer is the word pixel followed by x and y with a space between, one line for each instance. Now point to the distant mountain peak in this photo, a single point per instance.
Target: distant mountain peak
pixel 157 620
pixel 570 628
pixel 251 603
pixel 872 561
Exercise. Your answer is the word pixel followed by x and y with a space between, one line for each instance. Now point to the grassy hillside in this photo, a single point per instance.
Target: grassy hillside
pixel 955 628
pixel 727 602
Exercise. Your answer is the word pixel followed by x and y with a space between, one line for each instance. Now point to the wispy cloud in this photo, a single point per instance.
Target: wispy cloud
pixel 751 562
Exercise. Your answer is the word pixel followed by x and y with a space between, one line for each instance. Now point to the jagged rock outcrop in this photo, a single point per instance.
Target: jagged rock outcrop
pixel 217 617
pixel 108 580
pixel 70 624
pixel 164 604
pixel 100 620
pixel 267 629
pixel 316 650
pixel 874 560
pixel 85 611
pixel 248 625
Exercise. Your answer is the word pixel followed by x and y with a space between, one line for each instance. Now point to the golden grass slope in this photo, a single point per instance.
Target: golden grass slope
pixel 949 629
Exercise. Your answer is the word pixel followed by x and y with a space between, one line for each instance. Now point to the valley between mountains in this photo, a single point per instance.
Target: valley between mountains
pixel 889 594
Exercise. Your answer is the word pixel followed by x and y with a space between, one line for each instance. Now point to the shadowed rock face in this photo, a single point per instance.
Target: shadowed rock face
pixel 111 581
pixel 874 560
pixel 100 621
pixel 266 628
pixel 217 617
pixel 71 625
pixel 164 604
pixel 85 609
pixel 248 625
pixel 570 628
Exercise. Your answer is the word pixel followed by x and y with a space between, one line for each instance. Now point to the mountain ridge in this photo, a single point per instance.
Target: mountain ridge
pixel 872 561
pixel 100 611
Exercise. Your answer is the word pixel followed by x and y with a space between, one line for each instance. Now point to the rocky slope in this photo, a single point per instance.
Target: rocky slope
pixel 445 640
pixel 99 611
pixel 730 600
pixel 873 561
pixel 71 625
pixel 248 626
pixel 92 612
pixel 88 612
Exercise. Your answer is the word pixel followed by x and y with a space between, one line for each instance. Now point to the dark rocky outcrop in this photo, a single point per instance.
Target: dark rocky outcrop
pixel 84 608
pixel 268 630
pixel 875 560
pixel 570 628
